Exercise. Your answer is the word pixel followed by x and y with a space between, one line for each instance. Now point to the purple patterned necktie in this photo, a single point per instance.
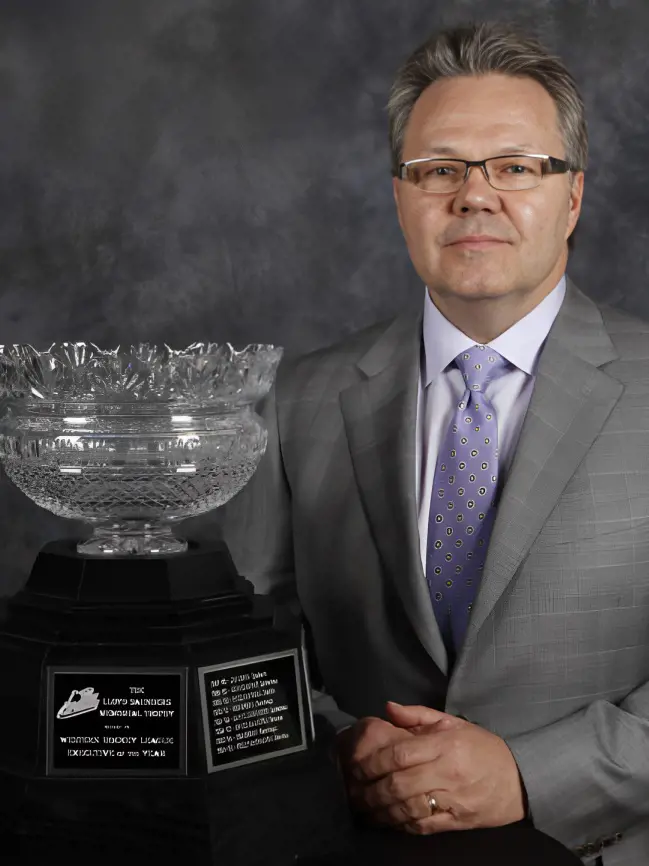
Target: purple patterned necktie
pixel 462 507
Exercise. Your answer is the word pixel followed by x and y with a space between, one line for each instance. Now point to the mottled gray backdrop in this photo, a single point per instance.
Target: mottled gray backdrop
pixel 218 169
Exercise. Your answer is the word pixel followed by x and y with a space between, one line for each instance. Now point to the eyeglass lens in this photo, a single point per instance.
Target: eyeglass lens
pixel 506 172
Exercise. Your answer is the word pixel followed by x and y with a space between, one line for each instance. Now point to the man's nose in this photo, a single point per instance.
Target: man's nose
pixel 476 191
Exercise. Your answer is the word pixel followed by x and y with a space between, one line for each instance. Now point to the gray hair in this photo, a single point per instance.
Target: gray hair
pixel 478 49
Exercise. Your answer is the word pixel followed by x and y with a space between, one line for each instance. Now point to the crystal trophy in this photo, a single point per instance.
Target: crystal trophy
pixel 137 665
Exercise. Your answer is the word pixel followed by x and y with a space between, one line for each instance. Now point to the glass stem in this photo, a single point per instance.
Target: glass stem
pixel 132 537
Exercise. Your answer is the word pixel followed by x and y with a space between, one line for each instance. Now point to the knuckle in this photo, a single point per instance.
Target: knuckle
pixel 394 787
pixel 402 753
pixel 399 814
pixel 410 809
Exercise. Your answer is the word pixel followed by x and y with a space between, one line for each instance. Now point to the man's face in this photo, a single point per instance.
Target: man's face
pixel 479 117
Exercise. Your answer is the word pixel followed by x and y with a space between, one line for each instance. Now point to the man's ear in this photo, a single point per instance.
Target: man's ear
pixel 395 192
pixel 576 193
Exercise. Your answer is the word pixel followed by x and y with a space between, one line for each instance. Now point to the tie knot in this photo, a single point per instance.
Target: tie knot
pixel 479 365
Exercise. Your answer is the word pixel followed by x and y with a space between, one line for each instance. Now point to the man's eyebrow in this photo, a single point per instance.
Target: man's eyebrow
pixel 451 151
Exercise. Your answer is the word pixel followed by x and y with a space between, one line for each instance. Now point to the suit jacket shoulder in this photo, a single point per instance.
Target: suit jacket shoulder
pixel 327 370
pixel 619 321
pixel 630 337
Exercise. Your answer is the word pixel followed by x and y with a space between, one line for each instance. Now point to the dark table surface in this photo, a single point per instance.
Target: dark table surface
pixel 514 845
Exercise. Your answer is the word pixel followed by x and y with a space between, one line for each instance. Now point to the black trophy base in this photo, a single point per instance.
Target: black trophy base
pixel 156 706
pixel 269 814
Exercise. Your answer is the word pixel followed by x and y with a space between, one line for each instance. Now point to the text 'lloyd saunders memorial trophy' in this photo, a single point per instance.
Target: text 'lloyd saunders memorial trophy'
pixel 134 665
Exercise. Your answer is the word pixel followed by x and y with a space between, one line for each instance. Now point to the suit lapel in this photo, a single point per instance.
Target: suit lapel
pixel 570 403
pixel 380 414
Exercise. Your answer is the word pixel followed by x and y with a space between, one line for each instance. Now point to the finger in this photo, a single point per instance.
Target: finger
pixel 406 716
pixel 404 812
pixel 399 756
pixel 440 822
pixel 447 724
pixel 399 787
pixel 374 734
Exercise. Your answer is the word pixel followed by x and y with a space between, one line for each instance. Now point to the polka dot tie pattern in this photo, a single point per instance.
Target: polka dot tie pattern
pixel 462 507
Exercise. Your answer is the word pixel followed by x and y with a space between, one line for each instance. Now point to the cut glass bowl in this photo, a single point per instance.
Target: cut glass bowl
pixel 133 440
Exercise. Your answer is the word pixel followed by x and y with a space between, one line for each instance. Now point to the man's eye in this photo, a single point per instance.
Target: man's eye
pixel 436 170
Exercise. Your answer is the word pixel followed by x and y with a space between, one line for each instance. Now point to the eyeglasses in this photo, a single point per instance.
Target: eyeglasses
pixel 509 172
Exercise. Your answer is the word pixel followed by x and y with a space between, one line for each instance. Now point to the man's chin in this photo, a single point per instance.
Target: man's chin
pixel 473 287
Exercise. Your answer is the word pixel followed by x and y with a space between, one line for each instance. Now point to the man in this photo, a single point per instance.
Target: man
pixel 459 499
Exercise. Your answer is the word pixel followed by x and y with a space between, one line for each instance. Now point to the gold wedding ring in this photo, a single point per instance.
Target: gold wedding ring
pixel 432 804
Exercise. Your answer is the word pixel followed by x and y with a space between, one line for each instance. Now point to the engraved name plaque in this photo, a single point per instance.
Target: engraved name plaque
pixel 116 722
pixel 252 709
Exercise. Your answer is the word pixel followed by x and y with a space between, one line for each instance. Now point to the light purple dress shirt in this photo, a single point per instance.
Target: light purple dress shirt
pixel 440 390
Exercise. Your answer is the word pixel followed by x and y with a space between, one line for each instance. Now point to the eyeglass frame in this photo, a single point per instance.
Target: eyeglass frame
pixel 556 166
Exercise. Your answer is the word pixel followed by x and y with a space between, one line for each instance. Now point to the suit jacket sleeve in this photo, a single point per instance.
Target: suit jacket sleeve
pixel 257 527
pixel 589 769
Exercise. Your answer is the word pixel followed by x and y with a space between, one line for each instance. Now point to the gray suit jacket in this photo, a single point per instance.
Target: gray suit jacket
pixel 556 656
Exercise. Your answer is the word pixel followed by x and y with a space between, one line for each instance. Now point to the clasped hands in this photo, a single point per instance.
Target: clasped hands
pixel 390 768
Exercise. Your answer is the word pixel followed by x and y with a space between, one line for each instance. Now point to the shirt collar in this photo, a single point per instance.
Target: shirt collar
pixel 520 345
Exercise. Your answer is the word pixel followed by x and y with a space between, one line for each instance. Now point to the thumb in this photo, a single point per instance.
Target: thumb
pixel 410 716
